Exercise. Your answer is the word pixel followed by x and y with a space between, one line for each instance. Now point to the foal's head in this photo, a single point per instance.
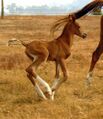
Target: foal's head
pixel 70 26
pixel 75 27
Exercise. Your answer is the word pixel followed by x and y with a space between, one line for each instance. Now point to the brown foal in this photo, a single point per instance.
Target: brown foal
pixel 56 50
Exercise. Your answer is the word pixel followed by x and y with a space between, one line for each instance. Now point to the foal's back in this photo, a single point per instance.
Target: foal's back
pixel 55 49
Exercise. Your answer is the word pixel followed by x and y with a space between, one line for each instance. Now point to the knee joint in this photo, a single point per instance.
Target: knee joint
pixel 30 71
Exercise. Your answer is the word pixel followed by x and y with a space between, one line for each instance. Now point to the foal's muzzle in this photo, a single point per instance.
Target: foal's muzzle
pixel 84 35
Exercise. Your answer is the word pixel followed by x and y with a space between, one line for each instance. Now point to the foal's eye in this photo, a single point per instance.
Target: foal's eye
pixel 78 26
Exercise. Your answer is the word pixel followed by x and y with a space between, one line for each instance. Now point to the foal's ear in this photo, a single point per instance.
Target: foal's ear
pixel 71 18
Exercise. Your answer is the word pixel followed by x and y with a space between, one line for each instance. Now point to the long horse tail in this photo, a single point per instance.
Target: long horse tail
pixel 89 7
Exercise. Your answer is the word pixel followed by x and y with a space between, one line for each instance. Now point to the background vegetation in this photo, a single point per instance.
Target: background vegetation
pixel 18 99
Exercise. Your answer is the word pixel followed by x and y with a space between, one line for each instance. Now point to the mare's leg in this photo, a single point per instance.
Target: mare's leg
pixel 31 70
pixel 97 53
pixel 95 57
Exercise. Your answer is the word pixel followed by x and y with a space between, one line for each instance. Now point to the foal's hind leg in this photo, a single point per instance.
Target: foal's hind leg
pixel 37 88
pixel 95 57
pixel 31 70
pixel 97 53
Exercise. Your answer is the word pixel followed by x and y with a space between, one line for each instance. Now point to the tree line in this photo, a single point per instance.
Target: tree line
pixel 44 9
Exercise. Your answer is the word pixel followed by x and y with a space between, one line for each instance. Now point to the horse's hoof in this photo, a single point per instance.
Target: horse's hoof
pixel 49 96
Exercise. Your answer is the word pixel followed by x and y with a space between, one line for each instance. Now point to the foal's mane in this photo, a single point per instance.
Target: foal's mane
pixel 61 22
pixel 76 15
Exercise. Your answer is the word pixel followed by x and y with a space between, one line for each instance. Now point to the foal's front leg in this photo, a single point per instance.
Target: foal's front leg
pixel 57 83
pixel 64 70
pixel 57 78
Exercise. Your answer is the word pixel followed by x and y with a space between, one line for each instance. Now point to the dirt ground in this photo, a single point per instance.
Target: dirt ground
pixel 18 99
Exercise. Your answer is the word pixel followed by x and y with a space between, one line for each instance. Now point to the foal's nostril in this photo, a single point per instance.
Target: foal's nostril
pixel 84 35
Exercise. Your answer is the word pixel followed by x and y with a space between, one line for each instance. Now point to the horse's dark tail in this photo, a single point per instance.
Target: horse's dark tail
pixel 76 15
pixel 88 8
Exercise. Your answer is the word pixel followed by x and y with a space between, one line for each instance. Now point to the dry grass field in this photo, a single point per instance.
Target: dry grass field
pixel 18 99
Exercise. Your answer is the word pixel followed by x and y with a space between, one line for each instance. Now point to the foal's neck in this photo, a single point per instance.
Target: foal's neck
pixel 67 37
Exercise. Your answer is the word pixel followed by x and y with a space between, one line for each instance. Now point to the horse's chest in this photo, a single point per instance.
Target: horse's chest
pixel 59 51
pixel 64 52
pixel 67 55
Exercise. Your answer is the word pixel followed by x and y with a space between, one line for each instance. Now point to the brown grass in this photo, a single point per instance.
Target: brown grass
pixel 18 99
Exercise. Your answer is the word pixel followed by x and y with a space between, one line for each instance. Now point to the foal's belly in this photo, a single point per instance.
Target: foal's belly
pixel 55 57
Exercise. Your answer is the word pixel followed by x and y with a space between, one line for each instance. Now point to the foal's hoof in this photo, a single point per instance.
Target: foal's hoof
pixel 49 96
pixel 84 35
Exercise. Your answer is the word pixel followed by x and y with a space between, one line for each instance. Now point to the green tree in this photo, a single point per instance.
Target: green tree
pixel 2 9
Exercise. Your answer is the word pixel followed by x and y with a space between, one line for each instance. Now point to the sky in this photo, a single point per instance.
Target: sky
pixel 40 2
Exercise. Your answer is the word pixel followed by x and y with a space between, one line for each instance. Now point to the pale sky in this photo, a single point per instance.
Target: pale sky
pixel 39 2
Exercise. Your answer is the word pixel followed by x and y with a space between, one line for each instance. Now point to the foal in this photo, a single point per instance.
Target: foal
pixel 56 50
pixel 96 55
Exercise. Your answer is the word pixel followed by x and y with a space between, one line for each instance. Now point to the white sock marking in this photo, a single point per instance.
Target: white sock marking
pixel 45 84
pixel 89 78
pixel 39 91
pixel 55 84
